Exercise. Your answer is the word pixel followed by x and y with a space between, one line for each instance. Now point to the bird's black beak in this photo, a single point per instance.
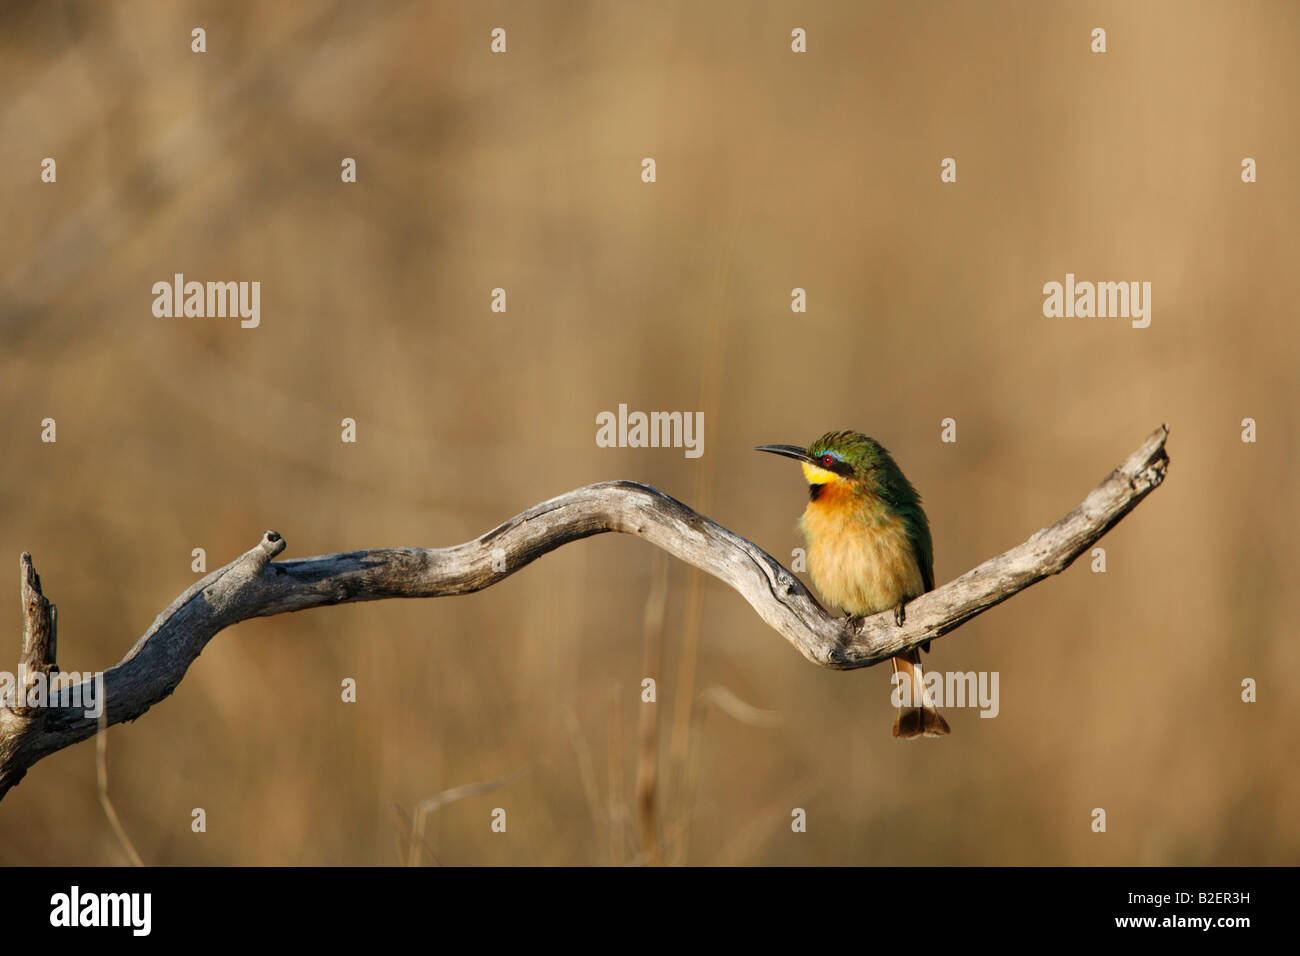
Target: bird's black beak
pixel 789 451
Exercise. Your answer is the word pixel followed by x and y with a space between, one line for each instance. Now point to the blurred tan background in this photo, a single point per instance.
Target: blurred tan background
pixel 1118 690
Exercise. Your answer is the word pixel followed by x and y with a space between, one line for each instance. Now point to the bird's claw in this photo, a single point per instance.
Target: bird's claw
pixel 900 615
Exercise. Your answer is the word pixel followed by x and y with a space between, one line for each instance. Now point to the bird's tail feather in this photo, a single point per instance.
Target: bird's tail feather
pixel 924 720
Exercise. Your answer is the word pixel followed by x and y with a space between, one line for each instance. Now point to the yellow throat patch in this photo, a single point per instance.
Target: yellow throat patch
pixel 818 476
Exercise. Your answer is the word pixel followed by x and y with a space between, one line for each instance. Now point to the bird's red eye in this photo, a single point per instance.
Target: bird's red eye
pixel 828 460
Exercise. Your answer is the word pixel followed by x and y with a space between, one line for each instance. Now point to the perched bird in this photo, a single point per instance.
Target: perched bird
pixel 869 546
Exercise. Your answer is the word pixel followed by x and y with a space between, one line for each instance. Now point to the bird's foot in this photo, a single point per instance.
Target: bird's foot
pixel 900 614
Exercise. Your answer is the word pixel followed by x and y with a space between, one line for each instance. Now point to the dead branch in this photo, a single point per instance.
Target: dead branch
pixel 255 586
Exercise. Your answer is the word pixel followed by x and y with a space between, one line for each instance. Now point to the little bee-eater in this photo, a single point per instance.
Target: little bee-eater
pixel 869 546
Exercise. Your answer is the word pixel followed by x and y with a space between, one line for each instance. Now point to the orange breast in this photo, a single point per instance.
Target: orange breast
pixel 859 554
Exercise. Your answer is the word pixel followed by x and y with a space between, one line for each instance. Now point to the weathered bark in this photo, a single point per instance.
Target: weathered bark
pixel 254 586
